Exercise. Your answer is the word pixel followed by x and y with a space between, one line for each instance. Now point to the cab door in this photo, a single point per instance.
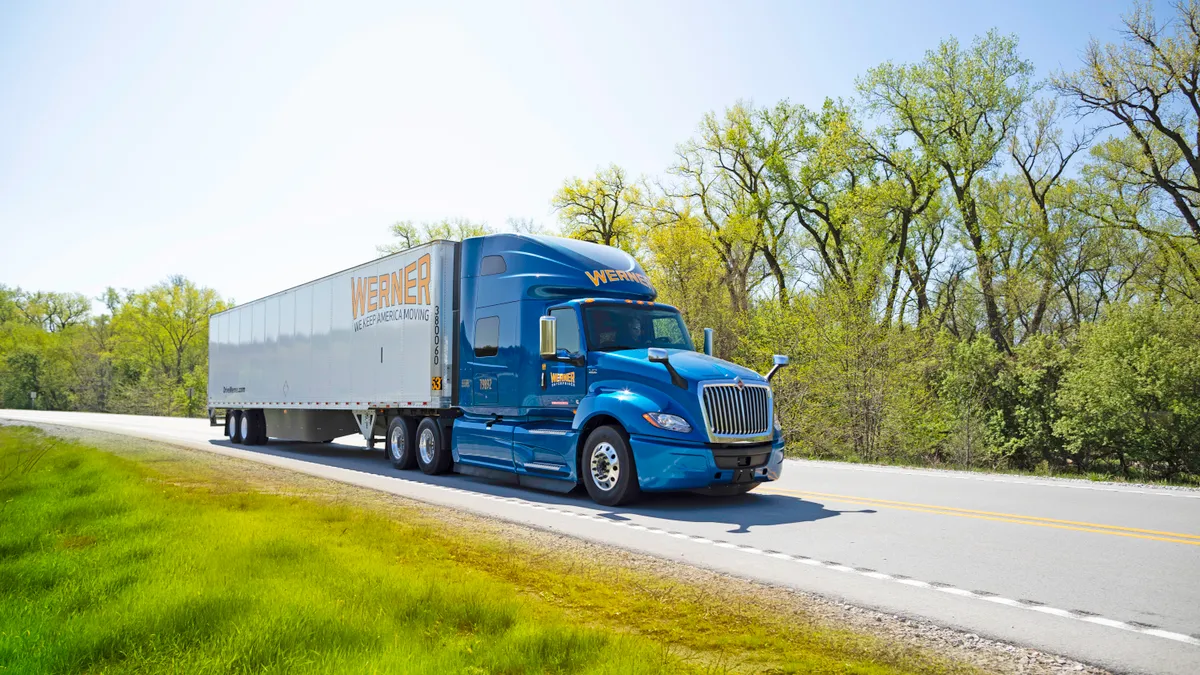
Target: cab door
pixel 543 443
pixel 564 381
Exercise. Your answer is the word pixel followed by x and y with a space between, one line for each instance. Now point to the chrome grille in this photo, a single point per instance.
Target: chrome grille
pixel 737 411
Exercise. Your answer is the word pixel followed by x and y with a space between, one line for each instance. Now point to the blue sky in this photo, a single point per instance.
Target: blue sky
pixel 252 146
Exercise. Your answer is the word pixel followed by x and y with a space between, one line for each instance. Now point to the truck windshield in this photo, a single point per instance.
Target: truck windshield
pixel 613 327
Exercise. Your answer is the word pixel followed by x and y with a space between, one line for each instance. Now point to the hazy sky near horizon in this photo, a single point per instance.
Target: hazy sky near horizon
pixel 252 146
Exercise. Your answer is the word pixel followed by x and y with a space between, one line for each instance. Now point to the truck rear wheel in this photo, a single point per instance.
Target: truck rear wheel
pixel 233 420
pixel 400 444
pixel 608 470
pixel 433 455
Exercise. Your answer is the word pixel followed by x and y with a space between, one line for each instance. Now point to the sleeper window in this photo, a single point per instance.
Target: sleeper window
pixel 492 264
pixel 487 336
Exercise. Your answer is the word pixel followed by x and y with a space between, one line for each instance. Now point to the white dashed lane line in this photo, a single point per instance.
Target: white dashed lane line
pixel 838 567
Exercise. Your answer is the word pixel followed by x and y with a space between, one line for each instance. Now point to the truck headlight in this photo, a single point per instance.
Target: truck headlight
pixel 668 422
pixel 775 420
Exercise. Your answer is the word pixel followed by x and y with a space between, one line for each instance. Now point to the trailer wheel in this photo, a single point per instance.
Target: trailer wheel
pixel 234 422
pixel 400 444
pixel 246 427
pixel 608 470
pixel 433 455
pixel 257 428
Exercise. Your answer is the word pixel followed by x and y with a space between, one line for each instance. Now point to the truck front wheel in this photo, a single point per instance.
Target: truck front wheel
pixel 400 444
pixel 433 455
pixel 608 470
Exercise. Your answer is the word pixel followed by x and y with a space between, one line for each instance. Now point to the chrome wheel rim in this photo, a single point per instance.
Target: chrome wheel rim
pixel 245 426
pixel 605 466
pixel 426 446
pixel 396 443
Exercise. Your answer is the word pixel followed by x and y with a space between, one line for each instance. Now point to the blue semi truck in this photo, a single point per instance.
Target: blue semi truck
pixel 537 360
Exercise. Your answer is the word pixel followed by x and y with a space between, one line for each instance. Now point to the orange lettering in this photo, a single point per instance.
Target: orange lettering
pixel 612 275
pixel 372 294
pixel 385 297
pixel 410 284
pixel 358 296
pixel 623 276
pixel 397 290
pixel 599 276
pixel 423 279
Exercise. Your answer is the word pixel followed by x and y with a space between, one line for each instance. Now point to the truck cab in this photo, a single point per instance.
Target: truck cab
pixel 569 372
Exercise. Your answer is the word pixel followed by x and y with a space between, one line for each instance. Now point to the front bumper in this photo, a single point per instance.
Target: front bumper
pixel 664 466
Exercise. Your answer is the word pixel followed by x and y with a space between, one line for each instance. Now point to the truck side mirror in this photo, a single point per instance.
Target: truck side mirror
pixel 659 355
pixel 780 362
pixel 708 333
pixel 548 329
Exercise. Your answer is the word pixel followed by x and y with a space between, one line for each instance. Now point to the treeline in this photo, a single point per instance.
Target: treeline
pixel 968 266
pixel 148 354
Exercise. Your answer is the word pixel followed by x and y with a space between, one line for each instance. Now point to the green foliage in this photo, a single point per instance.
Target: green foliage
pixel 603 209
pixel 409 234
pixel 109 566
pixel 141 358
pixel 1133 393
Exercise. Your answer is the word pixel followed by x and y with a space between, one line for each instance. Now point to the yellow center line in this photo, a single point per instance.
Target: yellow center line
pixel 1116 530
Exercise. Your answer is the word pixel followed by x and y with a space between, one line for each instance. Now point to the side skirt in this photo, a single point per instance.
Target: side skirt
pixel 535 482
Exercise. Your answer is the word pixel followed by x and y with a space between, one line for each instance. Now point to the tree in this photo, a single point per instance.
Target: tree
pixel 166 326
pixel 1042 156
pixel 526 226
pixel 1150 87
pixel 960 107
pixel 53 311
pixel 600 209
pixel 1132 393
pixel 409 233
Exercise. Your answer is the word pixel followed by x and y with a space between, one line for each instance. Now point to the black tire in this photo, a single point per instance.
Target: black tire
pixel 400 447
pixel 234 425
pixel 438 451
pixel 258 428
pixel 727 490
pixel 606 446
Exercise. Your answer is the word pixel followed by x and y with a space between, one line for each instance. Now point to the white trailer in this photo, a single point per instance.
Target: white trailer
pixel 316 361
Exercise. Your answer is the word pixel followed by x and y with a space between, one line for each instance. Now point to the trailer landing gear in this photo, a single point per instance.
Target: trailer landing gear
pixel 366 426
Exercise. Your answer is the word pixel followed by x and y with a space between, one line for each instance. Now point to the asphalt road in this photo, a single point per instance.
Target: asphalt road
pixel 1102 573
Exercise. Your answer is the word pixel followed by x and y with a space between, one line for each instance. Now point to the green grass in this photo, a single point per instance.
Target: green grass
pixel 108 564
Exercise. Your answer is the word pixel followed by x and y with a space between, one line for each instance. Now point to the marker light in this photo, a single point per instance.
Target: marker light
pixel 668 422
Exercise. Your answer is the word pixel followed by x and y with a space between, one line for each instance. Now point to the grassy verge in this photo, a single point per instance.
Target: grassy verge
pixel 113 565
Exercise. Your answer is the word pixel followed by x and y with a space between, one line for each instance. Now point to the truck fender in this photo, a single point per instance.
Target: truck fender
pixel 624 405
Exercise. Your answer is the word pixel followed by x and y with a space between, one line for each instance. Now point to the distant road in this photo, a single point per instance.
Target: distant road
pixel 1102 573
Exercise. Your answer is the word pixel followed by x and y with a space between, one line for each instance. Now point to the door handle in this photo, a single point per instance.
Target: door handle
pixel 543 379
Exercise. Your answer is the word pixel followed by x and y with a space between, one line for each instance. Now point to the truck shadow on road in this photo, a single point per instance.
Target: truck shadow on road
pixel 740 513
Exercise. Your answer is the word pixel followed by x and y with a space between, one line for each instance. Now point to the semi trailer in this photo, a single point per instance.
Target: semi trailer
pixel 537 360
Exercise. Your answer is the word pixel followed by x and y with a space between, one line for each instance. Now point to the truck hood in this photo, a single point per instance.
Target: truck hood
pixel 693 366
